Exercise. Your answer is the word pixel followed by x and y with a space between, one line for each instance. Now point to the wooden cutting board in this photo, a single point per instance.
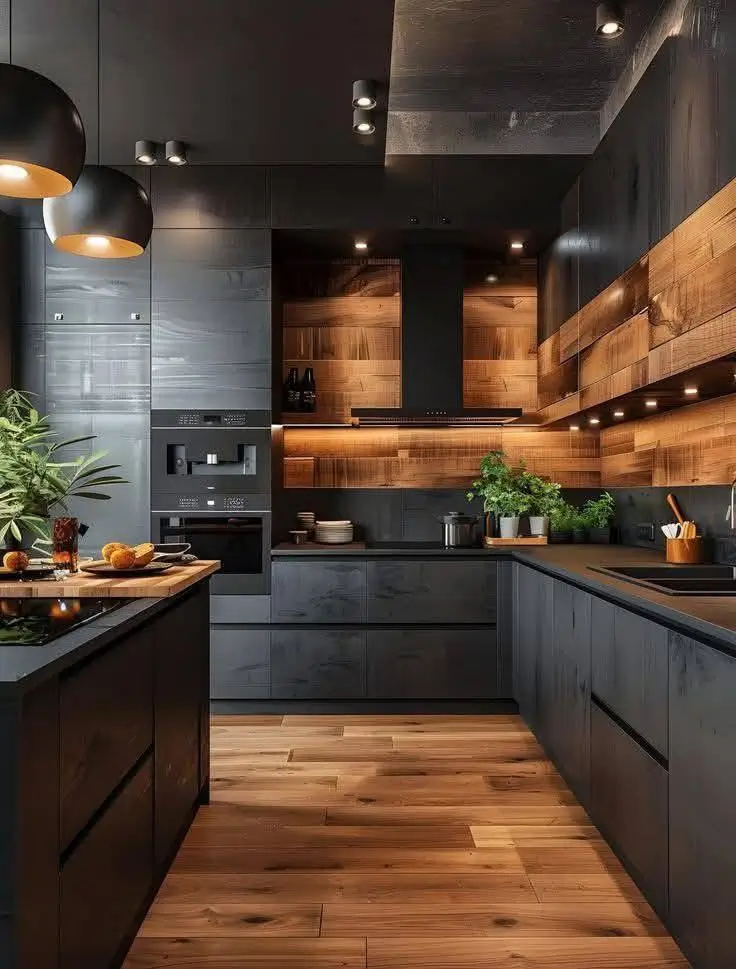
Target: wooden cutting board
pixel 81 586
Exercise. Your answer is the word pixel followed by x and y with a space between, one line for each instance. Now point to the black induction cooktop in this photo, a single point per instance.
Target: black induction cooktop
pixel 37 622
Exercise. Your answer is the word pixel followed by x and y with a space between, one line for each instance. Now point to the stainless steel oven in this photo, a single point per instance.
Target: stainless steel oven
pixel 240 540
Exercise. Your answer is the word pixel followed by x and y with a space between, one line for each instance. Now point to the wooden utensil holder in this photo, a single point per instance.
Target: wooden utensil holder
pixel 686 551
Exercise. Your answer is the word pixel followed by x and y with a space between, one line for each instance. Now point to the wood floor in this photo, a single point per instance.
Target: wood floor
pixel 394 843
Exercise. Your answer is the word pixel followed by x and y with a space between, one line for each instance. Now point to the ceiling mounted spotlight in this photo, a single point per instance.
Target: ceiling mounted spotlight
pixel 609 19
pixel 360 244
pixel 176 153
pixel 364 95
pixel 491 278
pixel 517 245
pixel 363 122
pixel 145 152
pixel 107 215
pixel 42 142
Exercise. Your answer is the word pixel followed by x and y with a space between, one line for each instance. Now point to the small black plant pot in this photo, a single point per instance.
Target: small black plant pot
pixel 579 535
pixel 560 538
pixel 602 536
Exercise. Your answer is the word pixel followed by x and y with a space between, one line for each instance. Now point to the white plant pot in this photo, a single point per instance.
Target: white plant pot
pixel 538 525
pixel 509 527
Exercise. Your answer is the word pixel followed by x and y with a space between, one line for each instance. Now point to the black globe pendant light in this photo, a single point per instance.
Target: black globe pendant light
pixel 42 142
pixel 107 215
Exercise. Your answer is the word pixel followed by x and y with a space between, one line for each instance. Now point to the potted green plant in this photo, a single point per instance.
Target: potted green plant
pixel 510 504
pixel 35 477
pixel 579 526
pixel 503 492
pixel 599 513
pixel 544 496
pixel 562 518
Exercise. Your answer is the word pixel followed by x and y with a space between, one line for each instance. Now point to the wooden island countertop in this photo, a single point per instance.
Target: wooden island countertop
pixel 84 586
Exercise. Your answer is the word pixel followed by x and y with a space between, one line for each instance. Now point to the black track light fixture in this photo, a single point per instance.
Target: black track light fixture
pixel 363 123
pixel 364 95
pixel 176 153
pixel 145 152
pixel 609 19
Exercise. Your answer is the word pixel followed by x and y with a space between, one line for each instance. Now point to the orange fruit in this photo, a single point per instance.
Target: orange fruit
pixel 123 558
pixel 16 561
pixel 143 553
pixel 108 549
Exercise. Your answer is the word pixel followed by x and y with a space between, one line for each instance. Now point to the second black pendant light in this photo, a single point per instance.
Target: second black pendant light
pixel 107 215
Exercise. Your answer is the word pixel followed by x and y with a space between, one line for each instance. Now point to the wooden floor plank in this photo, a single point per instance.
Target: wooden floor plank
pixel 232 920
pixel 330 837
pixel 228 953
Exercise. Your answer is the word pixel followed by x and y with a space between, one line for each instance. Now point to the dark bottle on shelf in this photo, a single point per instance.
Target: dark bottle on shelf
pixel 292 395
pixel 309 392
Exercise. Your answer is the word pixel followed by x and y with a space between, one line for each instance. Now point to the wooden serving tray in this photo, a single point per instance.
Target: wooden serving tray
pixel 528 540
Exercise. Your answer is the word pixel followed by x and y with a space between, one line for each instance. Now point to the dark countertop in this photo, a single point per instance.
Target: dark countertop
pixel 24 667
pixel 379 549
pixel 707 618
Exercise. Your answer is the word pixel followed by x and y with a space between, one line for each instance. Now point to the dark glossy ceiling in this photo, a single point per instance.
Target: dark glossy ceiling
pixel 535 63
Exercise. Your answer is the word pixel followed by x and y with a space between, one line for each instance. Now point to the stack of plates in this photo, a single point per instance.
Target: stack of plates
pixel 306 520
pixel 333 533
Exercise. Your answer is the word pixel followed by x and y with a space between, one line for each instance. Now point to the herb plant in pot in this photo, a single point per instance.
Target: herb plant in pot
pixel 502 491
pixel 599 513
pixel 579 526
pixel 35 479
pixel 544 497
pixel 562 519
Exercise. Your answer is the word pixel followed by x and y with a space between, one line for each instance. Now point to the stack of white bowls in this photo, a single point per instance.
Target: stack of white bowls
pixel 333 533
pixel 306 521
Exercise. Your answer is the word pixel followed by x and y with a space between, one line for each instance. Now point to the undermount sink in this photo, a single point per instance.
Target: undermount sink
pixel 678 580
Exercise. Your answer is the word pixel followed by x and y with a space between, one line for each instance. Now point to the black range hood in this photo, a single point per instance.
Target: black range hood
pixel 432 279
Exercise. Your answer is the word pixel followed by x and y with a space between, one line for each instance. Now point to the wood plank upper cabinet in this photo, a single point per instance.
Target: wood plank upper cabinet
pixel 318 591
pixel 317 664
pixel 432 591
pixel 566 678
pixel 628 801
pixel 97 908
pixel 353 196
pixel 629 670
pixel 702 763
pixel 432 664
pixel 533 638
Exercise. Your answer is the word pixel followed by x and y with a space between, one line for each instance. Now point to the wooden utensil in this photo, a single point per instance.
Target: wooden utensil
pixel 672 502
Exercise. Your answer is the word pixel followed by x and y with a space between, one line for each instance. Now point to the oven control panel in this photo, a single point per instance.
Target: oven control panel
pixel 210 419
pixel 167 502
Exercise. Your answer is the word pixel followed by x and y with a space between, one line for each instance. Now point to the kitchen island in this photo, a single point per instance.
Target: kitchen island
pixel 105 758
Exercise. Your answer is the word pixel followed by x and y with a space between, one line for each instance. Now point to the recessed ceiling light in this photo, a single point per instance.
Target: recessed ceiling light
pixel 574 427
pixel 609 19
pixel 361 245
pixel 364 94
pixel 691 391
pixel 363 122
pixel 492 278
pixel 651 404
pixel 618 414
pixel 13 173
pixel 517 245
pixel 145 152
pixel 594 420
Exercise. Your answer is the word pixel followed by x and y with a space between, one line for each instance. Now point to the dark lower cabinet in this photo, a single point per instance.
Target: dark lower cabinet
pixel 630 669
pixel 432 591
pixel 317 664
pixel 566 687
pixel 240 663
pixel 104 883
pixel 702 797
pixel 318 591
pixel 533 635
pixel 628 802
pixel 432 664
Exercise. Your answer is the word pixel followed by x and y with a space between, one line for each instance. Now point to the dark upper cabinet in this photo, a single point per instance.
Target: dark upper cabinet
pixel 432 664
pixel 317 664
pixel 353 197
pixel 566 679
pixel 628 801
pixel 726 80
pixel 630 663
pixel 559 270
pixel 210 196
pixel 702 763
pixel 433 591
pixel 31 263
pixel 533 637
pixel 324 591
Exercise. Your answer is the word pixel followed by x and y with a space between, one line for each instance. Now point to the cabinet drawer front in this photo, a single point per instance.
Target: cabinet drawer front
pixel 318 592
pixel 433 591
pixel 432 664
pixel 231 609
pixel 106 723
pixel 317 664
pixel 239 663
pixel 105 880
pixel 630 669
pixel 629 803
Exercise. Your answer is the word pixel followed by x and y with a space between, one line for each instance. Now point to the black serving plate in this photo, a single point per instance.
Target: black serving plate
pixel 27 575
pixel 107 571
